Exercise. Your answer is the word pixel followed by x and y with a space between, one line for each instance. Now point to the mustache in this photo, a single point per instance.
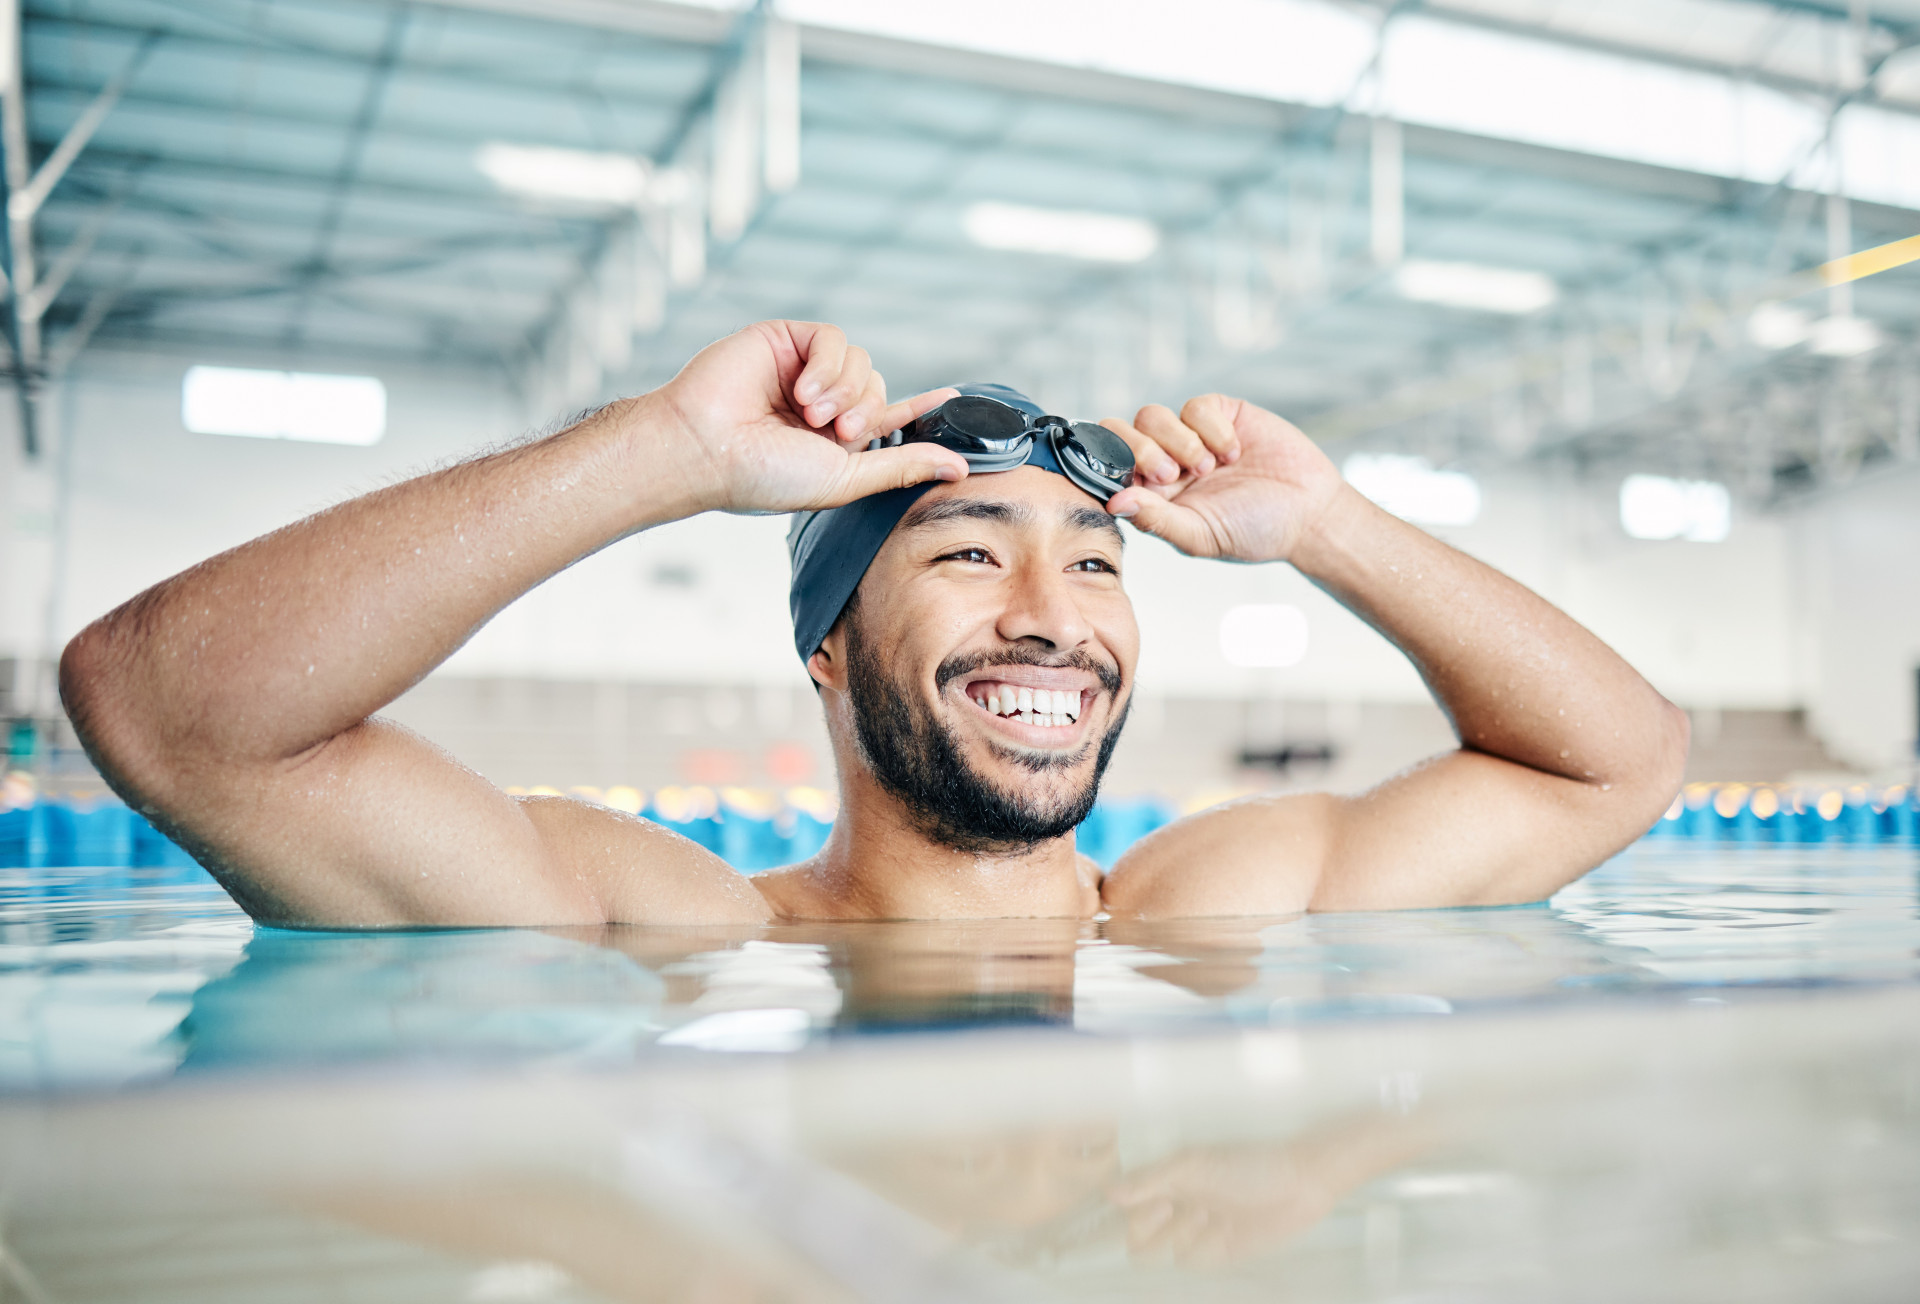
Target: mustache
pixel 1014 654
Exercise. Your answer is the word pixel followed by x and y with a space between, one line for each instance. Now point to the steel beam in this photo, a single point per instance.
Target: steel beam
pixel 359 131
pixel 27 190
pixel 23 330
pixel 26 201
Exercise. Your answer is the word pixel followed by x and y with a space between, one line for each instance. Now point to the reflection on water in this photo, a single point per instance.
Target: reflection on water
pixel 1642 1151
pixel 109 979
pixel 1416 1105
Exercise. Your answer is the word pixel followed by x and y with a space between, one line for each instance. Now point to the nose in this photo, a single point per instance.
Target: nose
pixel 1042 607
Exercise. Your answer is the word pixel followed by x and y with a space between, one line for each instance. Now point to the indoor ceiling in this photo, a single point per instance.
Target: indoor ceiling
pixel 296 182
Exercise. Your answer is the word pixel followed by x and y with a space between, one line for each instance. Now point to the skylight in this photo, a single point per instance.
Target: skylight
pixel 1432 72
pixel 283 405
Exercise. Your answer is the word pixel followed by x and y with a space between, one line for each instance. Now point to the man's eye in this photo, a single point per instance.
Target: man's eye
pixel 979 556
pixel 1095 564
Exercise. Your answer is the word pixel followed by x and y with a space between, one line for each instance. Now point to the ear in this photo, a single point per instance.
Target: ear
pixel 828 665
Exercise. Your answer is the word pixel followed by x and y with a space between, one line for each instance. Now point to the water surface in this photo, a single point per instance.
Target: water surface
pixel 122 976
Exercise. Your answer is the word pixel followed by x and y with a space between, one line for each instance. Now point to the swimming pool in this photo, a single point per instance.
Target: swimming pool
pixel 1695 1074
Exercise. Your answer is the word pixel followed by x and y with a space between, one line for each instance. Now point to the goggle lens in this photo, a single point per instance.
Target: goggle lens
pixel 994 436
pixel 1094 458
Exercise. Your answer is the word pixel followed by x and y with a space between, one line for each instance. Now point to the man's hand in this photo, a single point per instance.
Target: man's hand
pixel 771 418
pixel 1224 479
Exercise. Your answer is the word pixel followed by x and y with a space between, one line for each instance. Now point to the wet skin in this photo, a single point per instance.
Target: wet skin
pixel 236 703
pixel 996 572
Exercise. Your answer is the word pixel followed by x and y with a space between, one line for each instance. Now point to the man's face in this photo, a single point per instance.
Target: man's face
pixel 989 656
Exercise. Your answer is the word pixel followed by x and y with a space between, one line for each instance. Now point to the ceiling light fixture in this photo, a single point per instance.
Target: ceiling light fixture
pixel 1473 286
pixel 575 175
pixel 1776 326
pixel 1656 507
pixel 1065 233
pixel 1844 337
pixel 1411 489
pixel 1264 635
pixel 283 405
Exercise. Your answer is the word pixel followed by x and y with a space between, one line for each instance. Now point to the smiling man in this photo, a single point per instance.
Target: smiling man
pixel 969 634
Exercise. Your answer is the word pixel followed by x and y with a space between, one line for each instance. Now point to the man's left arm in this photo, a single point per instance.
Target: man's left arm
pixel 1566 754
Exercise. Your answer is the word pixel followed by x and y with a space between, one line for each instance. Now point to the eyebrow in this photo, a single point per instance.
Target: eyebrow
pixel 924 513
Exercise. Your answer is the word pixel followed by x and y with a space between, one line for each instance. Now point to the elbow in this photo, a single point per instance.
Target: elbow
pixel 97 693
pixel 1676 740
pixel 1663 766
pixel 84 679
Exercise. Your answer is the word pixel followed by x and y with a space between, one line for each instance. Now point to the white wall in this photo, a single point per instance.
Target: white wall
pixel 1857 567
pixel 149 498
pixel 705 600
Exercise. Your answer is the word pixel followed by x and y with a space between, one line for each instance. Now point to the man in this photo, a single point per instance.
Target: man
pixel 234 704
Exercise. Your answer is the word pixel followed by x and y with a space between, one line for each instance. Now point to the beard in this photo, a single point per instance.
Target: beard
pixel 918 758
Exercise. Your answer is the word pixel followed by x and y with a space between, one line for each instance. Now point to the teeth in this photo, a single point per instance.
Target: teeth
pixel 1048 708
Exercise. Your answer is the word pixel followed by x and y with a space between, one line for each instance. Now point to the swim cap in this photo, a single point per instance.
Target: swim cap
pixel 831 549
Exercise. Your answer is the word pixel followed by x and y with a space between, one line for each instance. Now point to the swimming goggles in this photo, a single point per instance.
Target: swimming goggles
pixel 996 436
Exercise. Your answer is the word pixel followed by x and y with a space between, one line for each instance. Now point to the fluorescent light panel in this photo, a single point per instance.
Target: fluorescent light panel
pixel 1843 337
pixel 1264 635
pixel 1411 489
pixel 1656 507
pixel 573 175
pixel 1096 237
pixel 283 405
pixel 1778 326
pixel 1473 286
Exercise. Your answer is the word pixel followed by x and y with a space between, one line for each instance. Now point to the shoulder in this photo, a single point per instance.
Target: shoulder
pixel 1255 856
pixel 641 872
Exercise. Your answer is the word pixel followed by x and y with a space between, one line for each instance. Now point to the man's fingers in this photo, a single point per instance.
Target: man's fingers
pixel 1180 526
pixel 1149 459
pixel 843 390
pixel 1179 439
pixel 859 422
pixel 911 409
pixel 893 468
pixel 1211 417
pixel 826 349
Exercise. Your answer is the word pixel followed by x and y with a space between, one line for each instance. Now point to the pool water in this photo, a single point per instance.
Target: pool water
pixel 1695 1074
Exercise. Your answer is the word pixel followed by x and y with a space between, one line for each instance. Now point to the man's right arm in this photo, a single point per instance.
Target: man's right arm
pixel 234 703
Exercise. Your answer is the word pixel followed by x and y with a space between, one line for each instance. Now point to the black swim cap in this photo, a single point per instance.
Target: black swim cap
pixel 831 549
